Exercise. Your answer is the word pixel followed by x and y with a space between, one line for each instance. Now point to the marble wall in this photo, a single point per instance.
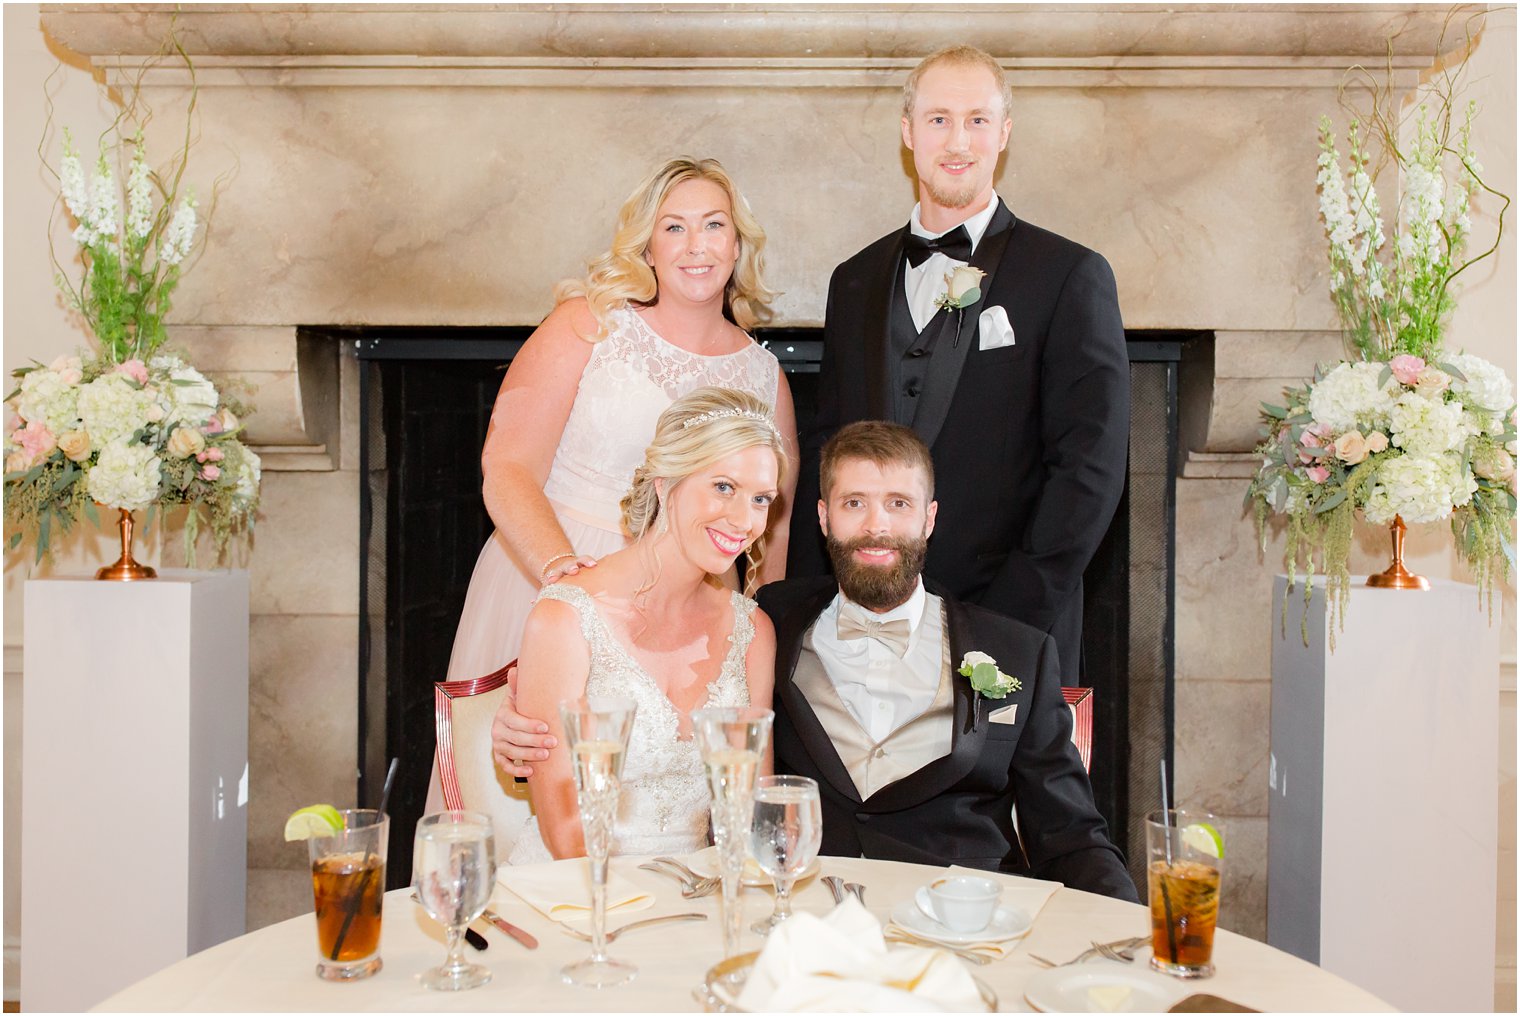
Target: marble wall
pixel 389 166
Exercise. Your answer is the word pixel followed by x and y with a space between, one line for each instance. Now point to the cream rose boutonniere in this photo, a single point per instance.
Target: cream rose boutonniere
pixel 986 677
pixel 963 287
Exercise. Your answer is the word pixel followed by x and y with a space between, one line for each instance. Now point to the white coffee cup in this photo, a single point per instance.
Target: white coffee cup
pixel 961 903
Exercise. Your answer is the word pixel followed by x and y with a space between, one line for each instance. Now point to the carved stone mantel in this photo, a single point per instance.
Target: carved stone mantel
pixel 445 165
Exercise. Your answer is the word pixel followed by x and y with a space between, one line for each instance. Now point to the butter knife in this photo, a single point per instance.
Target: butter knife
pixel 506 927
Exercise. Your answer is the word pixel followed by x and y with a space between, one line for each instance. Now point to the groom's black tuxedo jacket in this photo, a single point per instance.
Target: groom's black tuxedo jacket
pixel 957 809
pixel 1029 441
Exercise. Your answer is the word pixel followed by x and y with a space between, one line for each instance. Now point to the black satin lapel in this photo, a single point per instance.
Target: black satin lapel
pixel 958 332
pixel 877 312
pixel 966 737
pixel 799 710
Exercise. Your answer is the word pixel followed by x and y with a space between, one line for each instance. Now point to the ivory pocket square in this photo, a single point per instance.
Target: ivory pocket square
pixel 1005 714
pixel 993 330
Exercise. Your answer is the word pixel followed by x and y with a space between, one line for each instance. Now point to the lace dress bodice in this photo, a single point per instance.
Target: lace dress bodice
pixel 664 804
pixel 632 377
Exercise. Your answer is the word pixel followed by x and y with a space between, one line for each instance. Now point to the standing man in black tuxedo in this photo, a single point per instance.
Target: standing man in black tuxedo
pixel 913 763
pixel 1022 393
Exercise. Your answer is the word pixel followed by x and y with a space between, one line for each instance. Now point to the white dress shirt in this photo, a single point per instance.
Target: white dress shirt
pixel 880 690
pixel 926 283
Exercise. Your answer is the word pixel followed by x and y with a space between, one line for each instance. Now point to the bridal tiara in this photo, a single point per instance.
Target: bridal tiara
pixel 720 414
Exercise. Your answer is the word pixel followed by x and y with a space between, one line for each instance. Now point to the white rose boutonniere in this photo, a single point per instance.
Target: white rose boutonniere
pixel 963 287
pixel 986 677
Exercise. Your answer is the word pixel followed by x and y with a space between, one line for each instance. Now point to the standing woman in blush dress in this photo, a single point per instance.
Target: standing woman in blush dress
pixel 664 311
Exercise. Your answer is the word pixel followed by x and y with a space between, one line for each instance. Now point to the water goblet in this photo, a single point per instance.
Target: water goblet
pixel 784 837
pixel 733 742
pixel 597 731
pixel 454 871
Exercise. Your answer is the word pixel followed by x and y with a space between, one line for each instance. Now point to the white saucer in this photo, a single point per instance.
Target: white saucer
pixel 1007 922
pixel 705 863
pixel 1065 989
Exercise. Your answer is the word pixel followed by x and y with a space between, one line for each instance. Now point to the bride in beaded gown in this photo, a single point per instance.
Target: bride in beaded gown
pixel 661 313
pixel 654 624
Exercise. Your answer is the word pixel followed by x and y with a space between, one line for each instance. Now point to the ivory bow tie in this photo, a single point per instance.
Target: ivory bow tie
pixel 892 634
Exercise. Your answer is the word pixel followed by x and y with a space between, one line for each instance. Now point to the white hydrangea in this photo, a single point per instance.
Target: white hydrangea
pixel 113 408
pixel 248 477
pixel 192 398
pixel 48 398
pixel 125 476
pixel 1486 386
pixel 1350 396
pixel 1424 426
pixel 1421 488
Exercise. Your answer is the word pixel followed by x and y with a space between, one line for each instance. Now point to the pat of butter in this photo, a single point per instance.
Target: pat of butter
pixel 1108 997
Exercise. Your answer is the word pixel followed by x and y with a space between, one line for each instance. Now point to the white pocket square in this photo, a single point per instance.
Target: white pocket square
pixel 993 330
pixel 1004 715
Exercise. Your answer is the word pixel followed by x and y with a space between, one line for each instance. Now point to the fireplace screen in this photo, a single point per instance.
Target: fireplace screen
pixel 426 397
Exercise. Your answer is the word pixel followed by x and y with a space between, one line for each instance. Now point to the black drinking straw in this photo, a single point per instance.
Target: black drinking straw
pixel 369 873
pixel 1166 897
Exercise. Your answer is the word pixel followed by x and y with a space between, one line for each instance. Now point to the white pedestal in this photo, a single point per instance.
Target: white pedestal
pixel 134 815
pixel 1383 835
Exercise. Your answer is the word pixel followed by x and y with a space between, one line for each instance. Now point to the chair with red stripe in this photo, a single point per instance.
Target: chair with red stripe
pixel 1081 702
pixel 467 775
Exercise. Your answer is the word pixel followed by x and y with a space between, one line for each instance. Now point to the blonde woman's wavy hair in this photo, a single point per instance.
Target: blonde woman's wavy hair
pixel 697 430
pixel 621 275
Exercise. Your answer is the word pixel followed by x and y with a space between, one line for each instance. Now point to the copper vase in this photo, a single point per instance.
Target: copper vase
pixel 126 569
pixel 1397 576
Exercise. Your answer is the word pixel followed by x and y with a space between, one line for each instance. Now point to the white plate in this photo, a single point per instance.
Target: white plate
pixel 705 863
pixel 1066 989
pixel 1007 922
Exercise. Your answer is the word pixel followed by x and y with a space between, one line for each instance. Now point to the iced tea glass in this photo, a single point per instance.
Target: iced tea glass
pixel 1184 861
pixel 348 888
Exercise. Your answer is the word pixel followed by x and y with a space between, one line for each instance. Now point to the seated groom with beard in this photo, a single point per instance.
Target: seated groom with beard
pixel 912 763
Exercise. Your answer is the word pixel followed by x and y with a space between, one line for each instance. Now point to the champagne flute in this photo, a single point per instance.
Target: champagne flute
pixel 784 837
pixel 454 871
pixel 733 742
pixel 597 731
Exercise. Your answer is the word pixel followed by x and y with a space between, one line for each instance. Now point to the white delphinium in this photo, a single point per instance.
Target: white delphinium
pixel 1352 395
pixel 139 198
pixel 1424 427
pixel 180 233
pixel 113 408
pixel 249 473
pixel 48 397
pixel 1482 385
pixel 1340 227
pixel 126 476
pixel 1367 216
pixel 1421 488
pixel 76 193
pixel 105 205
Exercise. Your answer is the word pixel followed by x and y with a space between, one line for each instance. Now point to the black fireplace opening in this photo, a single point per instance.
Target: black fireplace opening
pixel 425 403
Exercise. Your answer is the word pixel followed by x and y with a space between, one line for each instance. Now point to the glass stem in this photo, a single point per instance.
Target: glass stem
pixel 731 913
pixel 599 908
pixel 783 898
pixel 454 963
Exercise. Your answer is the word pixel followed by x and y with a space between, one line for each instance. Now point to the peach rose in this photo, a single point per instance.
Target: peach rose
pixel 75 445
pixel 185 442
pixel 1351 447
pixel 1377 441
pixel 1432 383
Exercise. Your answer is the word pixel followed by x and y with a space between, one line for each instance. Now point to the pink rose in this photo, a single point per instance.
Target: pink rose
pixel 1319 474
pixel 68 369
pixel 211 472
pixel 215 454
pixel 134 369
pixel 1314 436
pixel 36 441
pixel 1406 368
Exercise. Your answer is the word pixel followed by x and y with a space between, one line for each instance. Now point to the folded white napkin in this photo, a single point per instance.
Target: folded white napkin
pixel 562 891
pixel 1027 894
pixel 840 963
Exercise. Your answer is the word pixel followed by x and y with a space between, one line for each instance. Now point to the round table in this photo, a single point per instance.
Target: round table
pixel 273 969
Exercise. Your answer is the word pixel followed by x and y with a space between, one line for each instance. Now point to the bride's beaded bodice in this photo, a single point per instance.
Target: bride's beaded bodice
pixel 632 377
pixel 664 803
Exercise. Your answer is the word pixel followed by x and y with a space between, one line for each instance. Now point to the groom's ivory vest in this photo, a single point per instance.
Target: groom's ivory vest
pixel 874 764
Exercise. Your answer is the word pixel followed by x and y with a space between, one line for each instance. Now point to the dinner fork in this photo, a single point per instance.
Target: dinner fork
pixel 1117 944
pixel 858 889
pixel 634 925
pixel 694 887
pixel 1124 954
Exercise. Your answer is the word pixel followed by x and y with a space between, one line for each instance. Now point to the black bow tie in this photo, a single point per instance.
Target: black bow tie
pixel 955 245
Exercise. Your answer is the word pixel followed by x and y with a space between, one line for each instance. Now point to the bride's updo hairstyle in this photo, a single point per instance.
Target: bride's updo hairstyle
pixel 621 275
pixel 694 432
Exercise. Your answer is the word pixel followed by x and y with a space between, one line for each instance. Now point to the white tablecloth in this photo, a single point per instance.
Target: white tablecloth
pixel 273 969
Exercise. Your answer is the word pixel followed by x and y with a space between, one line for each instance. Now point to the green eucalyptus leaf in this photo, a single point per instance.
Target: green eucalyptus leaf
pixel 90 512
pixel 1277 412
pixel 1330 502
pixel 1453 371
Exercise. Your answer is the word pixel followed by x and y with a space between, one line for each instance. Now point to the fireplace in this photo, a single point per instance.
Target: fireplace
pixel 426 397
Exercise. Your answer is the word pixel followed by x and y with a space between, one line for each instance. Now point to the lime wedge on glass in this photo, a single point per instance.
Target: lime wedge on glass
pixel 1203 838
pixel 315 820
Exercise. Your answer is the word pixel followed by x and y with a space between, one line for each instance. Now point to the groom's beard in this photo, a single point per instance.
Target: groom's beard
pixel 875 586
pixel 958 197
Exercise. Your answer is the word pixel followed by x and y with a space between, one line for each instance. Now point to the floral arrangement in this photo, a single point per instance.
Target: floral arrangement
pixel 1399 429
pixel 130 427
